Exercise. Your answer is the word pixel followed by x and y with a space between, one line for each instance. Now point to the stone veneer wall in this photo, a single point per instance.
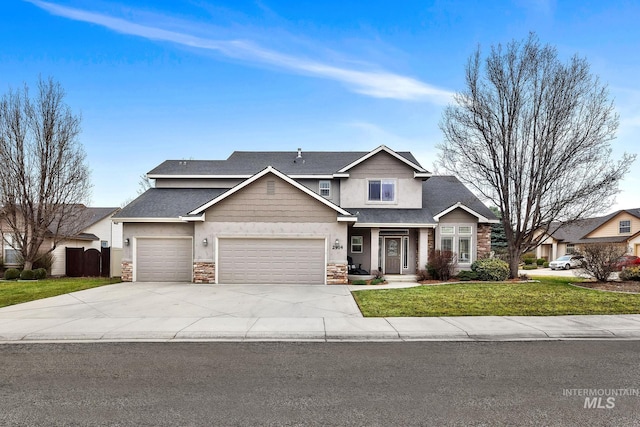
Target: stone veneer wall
pixel 204 272
pixel 127 271
pixel 337 274
pixel 484 240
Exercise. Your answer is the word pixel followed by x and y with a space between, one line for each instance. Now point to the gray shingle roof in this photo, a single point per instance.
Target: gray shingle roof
pixel 252 162
pixel 168 202
pixel 576 231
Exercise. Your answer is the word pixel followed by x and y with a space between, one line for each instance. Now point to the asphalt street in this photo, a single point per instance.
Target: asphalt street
pixel 336 384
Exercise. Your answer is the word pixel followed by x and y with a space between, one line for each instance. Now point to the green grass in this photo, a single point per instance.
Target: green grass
pixel 551 296
pixel 16 292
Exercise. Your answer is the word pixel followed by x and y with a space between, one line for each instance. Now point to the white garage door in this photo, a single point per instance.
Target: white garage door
pixel 164 260
pixel 271 261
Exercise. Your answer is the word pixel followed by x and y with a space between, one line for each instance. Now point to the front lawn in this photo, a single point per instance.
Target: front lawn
pixel 551 296
pixel 16 292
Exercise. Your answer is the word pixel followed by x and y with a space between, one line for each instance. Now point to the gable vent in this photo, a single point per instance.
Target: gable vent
pixel 271 187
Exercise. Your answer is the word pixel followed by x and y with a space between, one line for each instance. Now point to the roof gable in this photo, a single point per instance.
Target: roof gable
pixel 414 165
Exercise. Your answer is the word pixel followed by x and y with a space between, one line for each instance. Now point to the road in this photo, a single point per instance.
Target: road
pixel 341 384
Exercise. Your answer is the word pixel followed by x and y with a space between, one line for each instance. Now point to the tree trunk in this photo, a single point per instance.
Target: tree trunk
pixel 28 265
pixel 514 262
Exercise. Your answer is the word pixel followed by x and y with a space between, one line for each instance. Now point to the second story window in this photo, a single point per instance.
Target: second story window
pixel 625 227
pixel 325 188
pixel 382 190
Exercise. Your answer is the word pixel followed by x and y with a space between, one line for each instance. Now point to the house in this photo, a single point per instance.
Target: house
pixel 97 231
pixel 621 227
pixel 297 217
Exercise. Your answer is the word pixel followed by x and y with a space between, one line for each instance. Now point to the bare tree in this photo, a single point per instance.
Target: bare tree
pixel 600 260
pixel 43 175
pixel 532 136
pixel 144 184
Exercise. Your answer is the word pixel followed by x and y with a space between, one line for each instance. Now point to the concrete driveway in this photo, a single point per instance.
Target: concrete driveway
pixel 184 300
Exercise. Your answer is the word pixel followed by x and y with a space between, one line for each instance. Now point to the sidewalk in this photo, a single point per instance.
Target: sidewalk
pixel 173 312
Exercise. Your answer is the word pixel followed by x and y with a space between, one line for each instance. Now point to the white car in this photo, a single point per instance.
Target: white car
pixel 566 262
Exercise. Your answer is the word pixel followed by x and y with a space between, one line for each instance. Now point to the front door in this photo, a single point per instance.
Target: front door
pixel 392 256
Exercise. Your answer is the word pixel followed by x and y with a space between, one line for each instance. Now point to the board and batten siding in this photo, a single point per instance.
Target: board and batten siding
pixel 270 199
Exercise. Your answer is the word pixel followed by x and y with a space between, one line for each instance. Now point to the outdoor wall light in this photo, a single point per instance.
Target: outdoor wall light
pixel 205 242
pixel 337 245
pixel 126 242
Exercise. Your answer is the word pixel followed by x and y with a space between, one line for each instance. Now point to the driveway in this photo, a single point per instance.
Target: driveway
pixel 182 300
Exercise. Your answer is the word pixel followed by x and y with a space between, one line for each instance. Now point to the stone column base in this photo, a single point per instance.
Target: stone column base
pixel 204 272
pixel 127 271
pixel 337 274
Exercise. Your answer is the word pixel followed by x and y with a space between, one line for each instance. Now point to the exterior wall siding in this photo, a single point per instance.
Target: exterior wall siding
pixel 611 227
pixel 313 185
pixel 255 204
pixel 354 190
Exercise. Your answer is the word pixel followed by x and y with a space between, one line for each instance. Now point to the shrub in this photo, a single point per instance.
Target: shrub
pixel 359 282
pixel 377 281
pixel 422 275
pixel 540 261
pixel 45 261
pixel 40 273
pixel 630 274
pixel 530 267
pixel 529 261
pixel 491 269
pixel 377 274
pixel 12 274
pixel 600 260
pixel 546 264
pixel 440 265
pixel 27 275
pixel 467 275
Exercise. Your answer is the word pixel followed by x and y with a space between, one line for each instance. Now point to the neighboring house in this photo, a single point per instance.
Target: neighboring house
pixel 287 217
pixel 621 227
pixel 97 231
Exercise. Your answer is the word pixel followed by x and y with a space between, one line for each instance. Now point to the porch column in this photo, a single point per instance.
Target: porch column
pixel 375 263
pixel 554 251
pixel 423 248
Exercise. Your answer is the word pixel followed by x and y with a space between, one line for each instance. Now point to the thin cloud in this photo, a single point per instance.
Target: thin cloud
pixel 374 83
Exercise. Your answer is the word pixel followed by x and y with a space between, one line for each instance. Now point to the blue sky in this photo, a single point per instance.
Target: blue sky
pixel 182 79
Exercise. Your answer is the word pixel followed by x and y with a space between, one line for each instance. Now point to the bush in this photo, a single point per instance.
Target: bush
pixel 630 274
pixel 440 265
pixel 530 267
pixel 529 261
pixel 377 281
pixel 359 282
pixel 423 275
pixel 540 261
pixel 600 260
pixel 27 275
pixel 546 264
pixel 45 262
pixel 467 275
pixel 491 269
pixel 40 273
pixel 12 274
pixel 377 274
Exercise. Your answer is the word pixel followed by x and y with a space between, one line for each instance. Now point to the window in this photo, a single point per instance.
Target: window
pixel 11 255
pixel 325 188
pixel 464 229
pixel 625 226
pixel 571 248
pixel 382 191
pixel 464 249
pixel 356 244
pixel 446 244
pixel 405 252
pixel 104 244
pixel 447 230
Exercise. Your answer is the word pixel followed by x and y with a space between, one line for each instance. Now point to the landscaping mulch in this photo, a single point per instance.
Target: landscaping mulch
pixel 628 287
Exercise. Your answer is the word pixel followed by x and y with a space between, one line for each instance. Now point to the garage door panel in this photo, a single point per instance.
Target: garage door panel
pixel 271 261
pixel 164 259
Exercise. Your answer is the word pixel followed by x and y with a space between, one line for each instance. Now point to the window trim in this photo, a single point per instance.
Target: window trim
pixel 328 188
pixel 382 181
pixel 7 245
pixel 405 252
pixel 354 243
pixel 459 252
pixel 627 226
pixel 570 249
pixel 448 230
